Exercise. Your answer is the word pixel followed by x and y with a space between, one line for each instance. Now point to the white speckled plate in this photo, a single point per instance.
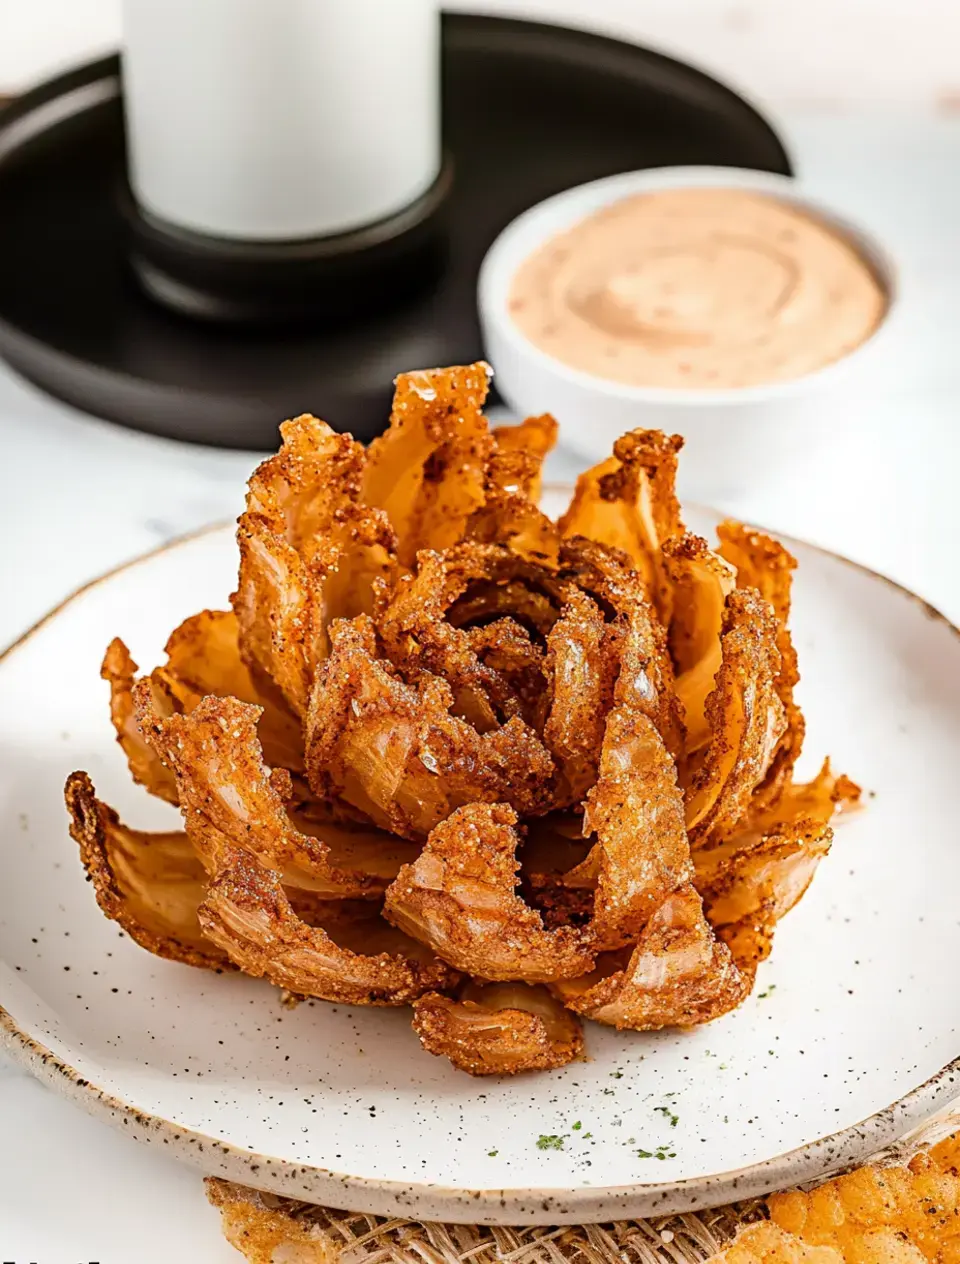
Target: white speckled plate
pixel 851 1037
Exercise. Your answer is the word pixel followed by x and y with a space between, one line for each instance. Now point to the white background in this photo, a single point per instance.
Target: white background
pixel 867 95
pixel 872 53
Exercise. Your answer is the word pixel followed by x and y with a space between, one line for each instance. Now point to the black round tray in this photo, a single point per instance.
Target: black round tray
pixel 530 109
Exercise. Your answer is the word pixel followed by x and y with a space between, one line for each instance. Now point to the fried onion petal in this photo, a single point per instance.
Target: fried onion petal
pixel 498 1029
pixel 751 881
pixel 427 471
pixel 417 635
pixel 754 877
pixel 527 445
pixel 678 975
pixel 582 666
pixel 459 897
pixel 629 502
pixel 636 811
pixel 310 552
pixel 146 767
pixel 249 915
pixel 509 514
pixel 764 564
pixel 149 884
pixel 701 582
pixel 231 802
pixel 203 660
pixel 827 796
pixel 641 642
pixel 745 717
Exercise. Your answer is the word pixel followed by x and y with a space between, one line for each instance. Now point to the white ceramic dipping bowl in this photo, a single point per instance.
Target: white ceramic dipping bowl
pixel 733 437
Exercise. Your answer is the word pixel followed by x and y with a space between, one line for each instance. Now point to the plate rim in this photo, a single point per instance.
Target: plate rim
pixel 432 1201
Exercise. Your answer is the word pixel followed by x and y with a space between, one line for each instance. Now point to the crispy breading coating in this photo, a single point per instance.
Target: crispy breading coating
pixel 203 657
pixel 509 514
pixel 767 1243
pixel 582 666
pixel 829 795
pixel 528 444
pixel 701 581
pixel 146 767
pixel 606 576
pixel 636 812
pixel 880 1215
pixel 749 882
pixel 416 632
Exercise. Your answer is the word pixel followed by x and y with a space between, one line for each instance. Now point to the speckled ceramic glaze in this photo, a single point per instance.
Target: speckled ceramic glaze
pixel 851 1037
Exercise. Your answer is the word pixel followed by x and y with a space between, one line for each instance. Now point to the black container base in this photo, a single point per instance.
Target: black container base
pixel 322 280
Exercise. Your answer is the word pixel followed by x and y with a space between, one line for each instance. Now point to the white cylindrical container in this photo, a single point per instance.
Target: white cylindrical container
pixel 280 120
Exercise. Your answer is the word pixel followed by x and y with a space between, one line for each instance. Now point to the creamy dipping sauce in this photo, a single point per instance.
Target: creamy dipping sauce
pixel 698 288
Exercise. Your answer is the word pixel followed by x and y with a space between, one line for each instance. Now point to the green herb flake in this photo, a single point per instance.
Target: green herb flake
pixel 577 1126
pixel 762 996
pixel 644 1154
pixel 668 1114
pixel 552 1142
pixel 492 1154
pixel 616 1075
pixel 587 1136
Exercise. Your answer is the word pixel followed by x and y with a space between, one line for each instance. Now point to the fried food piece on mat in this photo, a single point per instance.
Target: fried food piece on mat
pixel 766 1243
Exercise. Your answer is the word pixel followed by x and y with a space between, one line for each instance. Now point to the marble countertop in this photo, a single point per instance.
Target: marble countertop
pixel 79 496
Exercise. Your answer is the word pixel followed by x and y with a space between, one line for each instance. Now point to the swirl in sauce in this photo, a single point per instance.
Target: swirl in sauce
pixel 696 287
